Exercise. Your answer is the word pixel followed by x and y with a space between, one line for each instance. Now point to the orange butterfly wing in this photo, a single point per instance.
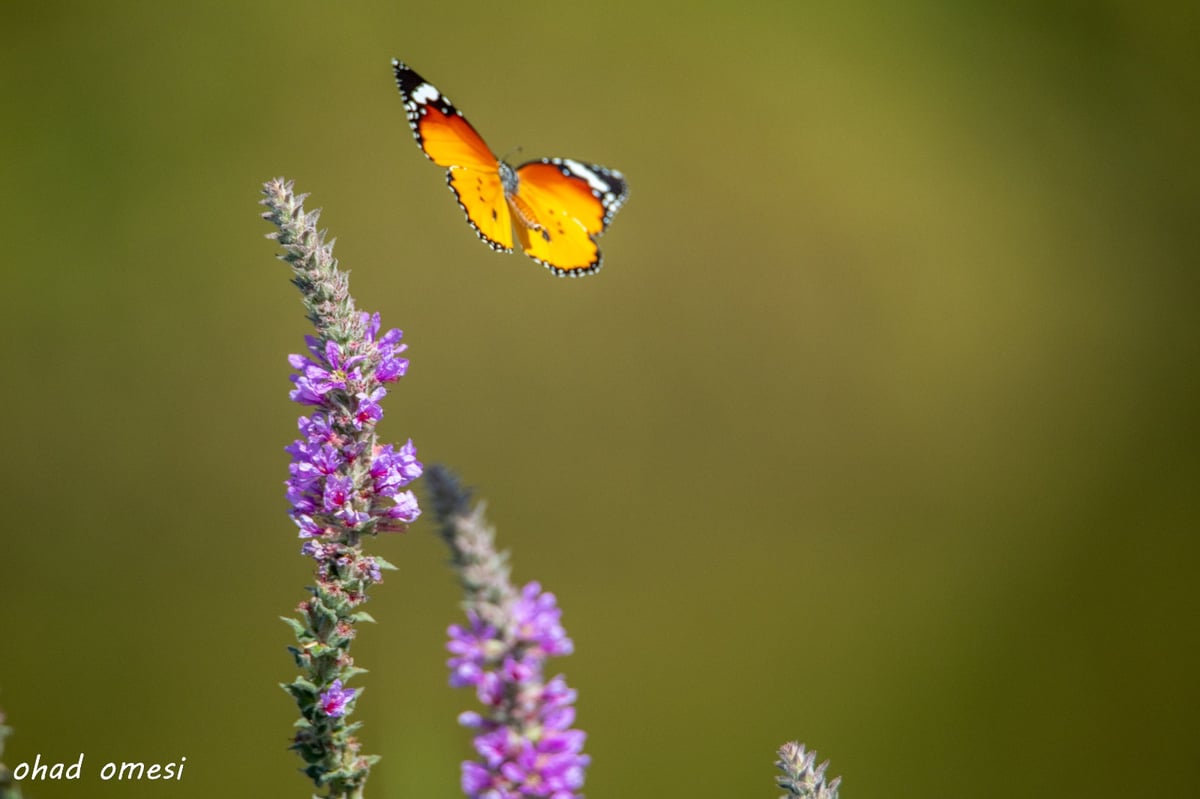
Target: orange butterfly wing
pixel 560 207
pixel 447 139
pixel 481 196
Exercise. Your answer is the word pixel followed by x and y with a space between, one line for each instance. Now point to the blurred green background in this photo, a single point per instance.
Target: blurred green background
pixel 878 429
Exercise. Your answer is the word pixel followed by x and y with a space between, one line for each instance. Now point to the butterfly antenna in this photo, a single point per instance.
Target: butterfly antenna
pixel 508 156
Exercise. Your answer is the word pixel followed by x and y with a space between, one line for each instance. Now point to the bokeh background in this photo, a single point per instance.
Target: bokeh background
pixel 878 430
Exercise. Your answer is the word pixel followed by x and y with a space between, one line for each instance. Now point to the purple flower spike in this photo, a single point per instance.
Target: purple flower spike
pixel 343 486
pixel 342 481
pixel 524 738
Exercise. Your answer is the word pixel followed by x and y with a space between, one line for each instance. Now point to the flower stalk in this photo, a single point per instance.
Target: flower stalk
pixel 524 740
pixel 343 487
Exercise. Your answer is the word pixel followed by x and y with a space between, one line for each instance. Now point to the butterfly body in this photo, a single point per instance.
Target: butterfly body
pixel 555 206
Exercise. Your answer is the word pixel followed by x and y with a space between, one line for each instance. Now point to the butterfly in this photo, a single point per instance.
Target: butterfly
pixel 556 206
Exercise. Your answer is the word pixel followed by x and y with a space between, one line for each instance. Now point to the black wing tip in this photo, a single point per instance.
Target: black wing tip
pixel 407 78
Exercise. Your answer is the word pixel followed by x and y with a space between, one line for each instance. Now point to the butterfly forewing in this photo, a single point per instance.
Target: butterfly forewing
pixel 441 131
pixel 447 139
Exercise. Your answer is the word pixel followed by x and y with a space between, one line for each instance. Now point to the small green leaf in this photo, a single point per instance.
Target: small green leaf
pixel 299 629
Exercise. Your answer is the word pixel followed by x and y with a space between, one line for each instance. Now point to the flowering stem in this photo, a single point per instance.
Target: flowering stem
pixel 343 486
pixel 524 740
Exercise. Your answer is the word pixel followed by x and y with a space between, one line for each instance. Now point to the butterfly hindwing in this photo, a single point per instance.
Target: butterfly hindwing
pixel 563 205
pixel 481 196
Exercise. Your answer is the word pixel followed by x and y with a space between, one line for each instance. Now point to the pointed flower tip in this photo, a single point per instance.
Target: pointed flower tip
pixel 800 777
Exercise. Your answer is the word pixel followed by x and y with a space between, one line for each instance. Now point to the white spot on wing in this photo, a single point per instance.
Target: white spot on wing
pixel 597 183
pixel 425 93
